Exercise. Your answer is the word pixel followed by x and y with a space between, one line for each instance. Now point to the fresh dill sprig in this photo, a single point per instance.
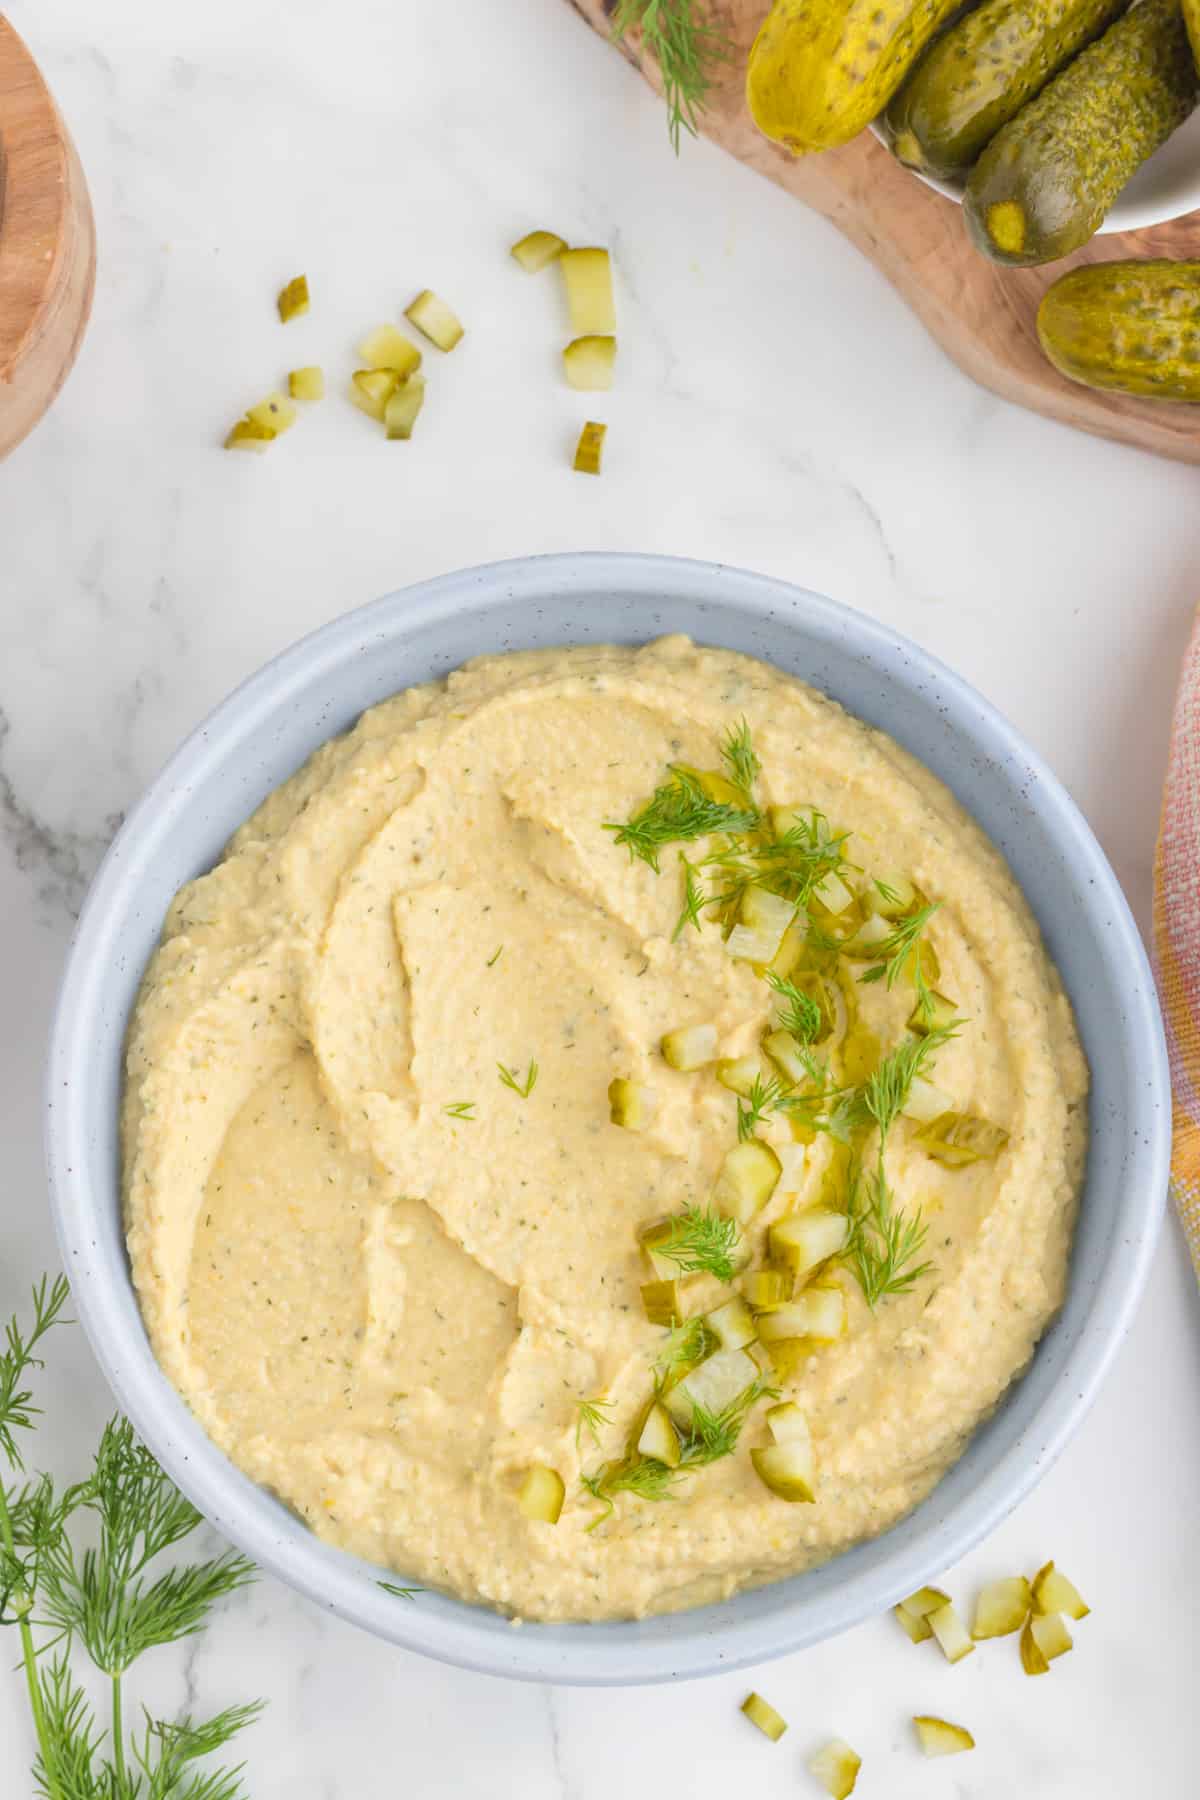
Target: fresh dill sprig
pixel 461 1109
pixel 643 1476
pixel 885 1240
pixel 510 1079
pixel 700 1242
pixel 591 1418
pixel 886 1092
pixel 799 1014
pixel 694 901
pixel 678 812
pixel 712 1436
pixel 688 50
pixel 764 1097
pixel 900 952
pixel 401 1593
pixel 741 764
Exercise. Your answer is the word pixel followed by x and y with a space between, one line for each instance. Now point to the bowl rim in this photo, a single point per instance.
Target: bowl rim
pixel 702 1641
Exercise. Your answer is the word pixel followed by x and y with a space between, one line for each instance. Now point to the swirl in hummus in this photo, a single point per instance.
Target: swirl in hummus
pixel 384 1279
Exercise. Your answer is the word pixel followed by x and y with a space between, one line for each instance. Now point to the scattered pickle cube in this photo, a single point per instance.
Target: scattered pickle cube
pixel 437 321
pixel 959 1138
pixel 275 411
pixel 658 1437
pixel 661 1302
pixel 747 945
pixel 767 1289
pixel 713 1385
pixel 587 275
pixel 836 1768
pixel 590 449
pixel 818 1313
pixel 951 1633
pixel 761 1713
pixel 247 434
pixel 748 1178
pixel 804 1240
pixel 788 1465
pixel 371 389
pixel 1053 1593
pixel 293 299
pixel 631 1105
pixel 388 348
pixel 1049 1632
pixel 925 1102
pixel 739 1074
pixel 307 383
pixel 935 1014
pixel 542 1494
pixel 537 248
pixel 403 407
pixel 916 1626
pixel 1002 1608
pixel 892 894
pixel 938 1737
pixel 1033 1661
pixel 732 1324
pixel 691 1048
pixel 833 893
pixel 588 363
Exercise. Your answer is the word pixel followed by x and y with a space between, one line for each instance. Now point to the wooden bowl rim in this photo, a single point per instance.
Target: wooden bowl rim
pixel 34 213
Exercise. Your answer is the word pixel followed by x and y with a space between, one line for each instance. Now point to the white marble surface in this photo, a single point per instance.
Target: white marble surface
pixel 776 407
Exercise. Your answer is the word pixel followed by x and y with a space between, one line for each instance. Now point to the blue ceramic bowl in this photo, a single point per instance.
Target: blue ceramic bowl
pixel 266 730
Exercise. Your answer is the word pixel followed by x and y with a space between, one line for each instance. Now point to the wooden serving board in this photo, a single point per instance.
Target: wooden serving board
pixel 982 315
pixel 47 245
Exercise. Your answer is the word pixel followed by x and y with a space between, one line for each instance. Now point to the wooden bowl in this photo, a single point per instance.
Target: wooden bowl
pixel 47 245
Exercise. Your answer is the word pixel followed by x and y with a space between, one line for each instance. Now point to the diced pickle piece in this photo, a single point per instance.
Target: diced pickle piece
pixel 787 1357
pixel 1053 1593
pixel 247 435
pixel 387 348
pixel 767 1289
pixel 661 1302
pixel 926 1600
pixel 788 1423
pixel 768 913
pixel 718 787
pixel 589 451
pixel 892 894
pixel 293 299
pixel 1032 1660
pixel 864 946
pixel 732 1324
pixel 714 1384
pixel 371 389
pixel 1049 1632
pixel 630 1104
pixel 788 1470
pixel 793 1167
pixel 951 1633
pixel 739 1074
pixel 937 1737
pixel 658 1437
pixel 836 1768
pixel 588 278
pixel 588 363
pixel 403 408
pixel 784 1052
pixel 917 1626
pixel 1002 1608
pixel 693 1047
pixel 761 1713
pixel 748 1178
pixel 935 1014
pixel 803 1241
pixel 542 1494
pixel 650 1236
pixel 747 945
pixel 437 321
pixel 817 1313
pixel 925 1102
pixel 789 953
pixel 958 1138
pixel 833 893
pixel 276 411
pixel 307 383
pixel 537 248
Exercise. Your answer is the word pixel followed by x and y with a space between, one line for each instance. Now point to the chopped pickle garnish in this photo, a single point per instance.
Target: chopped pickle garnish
pixel 933 1013
pixel 694 1242
pixel 403 407
pixel 867 941
pixel 917 1626
pixel 588 363
pixel 1032 1659
pixel 787 1056
pixel 818 1313
pixel 748 1178
pixel 788 1423
pixel 926 1600
pixel 803 1241
pixel 371 389
pixel 307 383
pixel 836 1768
pixel 713 1386
pixel 732 1324
pixel 925 1102
pixel 537 248
pixel 951 1633
pixel 590 449
pixel 249 435
pixel 1053 1593
pixel 658 1437
pixel 766 1289
pixel 937 1737
pixel 761 1713
pixel 293 299
pixel 387 348
pixel 747 945
pixel 1002 1608
pixel 630 1104
pixel 739 1074
pixel 542 1494
pixel 833 894
pixel 788 1470
pixel 958 1138
pixel 437 321
pixel 767 913
pixel 892 894
pixel 793 1167
pixel 587 275
pixel 693 1047
pixel 1049 1632
pixel 275 411
pixel 661 1302
pixel 681 1351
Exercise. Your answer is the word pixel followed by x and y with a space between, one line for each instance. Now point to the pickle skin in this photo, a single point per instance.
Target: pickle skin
pixel 1128 327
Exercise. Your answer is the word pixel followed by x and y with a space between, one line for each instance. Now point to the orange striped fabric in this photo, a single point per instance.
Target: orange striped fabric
pixel 1177 940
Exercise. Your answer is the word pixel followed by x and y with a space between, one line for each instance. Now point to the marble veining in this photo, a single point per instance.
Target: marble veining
pixel 775 406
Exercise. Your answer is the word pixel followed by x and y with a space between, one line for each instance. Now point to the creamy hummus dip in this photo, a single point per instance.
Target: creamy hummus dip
pixel 385 1278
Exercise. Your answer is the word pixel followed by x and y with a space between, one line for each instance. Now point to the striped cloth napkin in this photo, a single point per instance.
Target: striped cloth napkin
pixel 1177 940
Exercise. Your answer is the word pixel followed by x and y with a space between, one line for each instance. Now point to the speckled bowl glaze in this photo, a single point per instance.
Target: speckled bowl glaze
pixel 266 730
